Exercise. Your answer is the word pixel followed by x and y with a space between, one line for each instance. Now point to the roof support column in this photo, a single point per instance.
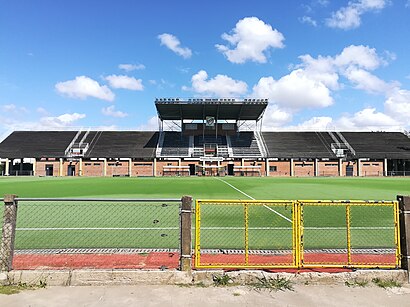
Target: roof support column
pixel 316 167
pixel 104 166
pixel 291 167
pixel 359 167
pixel 80 167
pixel 129 167
pixel 7 168
pixel 385 167
pixel 340 167
pixel 154 167
pixel 267 167
pixel 60 167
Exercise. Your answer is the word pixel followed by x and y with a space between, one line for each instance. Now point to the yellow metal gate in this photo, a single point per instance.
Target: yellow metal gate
pixel 296 234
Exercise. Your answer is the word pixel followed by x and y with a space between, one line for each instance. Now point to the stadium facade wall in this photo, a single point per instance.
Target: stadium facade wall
pixel 181 167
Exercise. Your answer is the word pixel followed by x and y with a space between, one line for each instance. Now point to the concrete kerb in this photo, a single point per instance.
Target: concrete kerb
pixel 155 277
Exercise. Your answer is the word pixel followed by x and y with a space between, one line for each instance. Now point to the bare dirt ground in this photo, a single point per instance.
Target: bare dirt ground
pixel 302 295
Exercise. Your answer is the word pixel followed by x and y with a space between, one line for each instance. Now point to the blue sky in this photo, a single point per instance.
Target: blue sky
pixel 341 65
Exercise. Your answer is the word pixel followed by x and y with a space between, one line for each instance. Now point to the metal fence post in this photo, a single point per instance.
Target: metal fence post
pixel 8 234
pixel 186 234
pixel 404 220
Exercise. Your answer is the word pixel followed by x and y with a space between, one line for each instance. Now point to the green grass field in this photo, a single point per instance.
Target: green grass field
pixel 114 225
pixel 256 187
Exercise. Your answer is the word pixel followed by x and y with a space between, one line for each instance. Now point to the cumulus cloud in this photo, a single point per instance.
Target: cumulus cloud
pixel 110 111
pixel 83 87
pixel 360 56
pixel 308 20
pixel 131 67
pixel 294 91
pixel 150 125
pixel 251 39
pixel 61 121
pixel 125 82
pixel 364 80
pixel 220 85
pixel 275 117
pixel 397 105
pixel 367 119
pixel 353 63
pixel 349 17
pixel 172 42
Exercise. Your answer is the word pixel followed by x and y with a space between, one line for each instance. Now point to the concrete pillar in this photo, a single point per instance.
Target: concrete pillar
pixel 80 167
pixel 60 167
pixel 385 167
pixel 186 233
pixel 359 167
pixel 291 167
pixel 34 167
pixel 7 168
pixel 267 167
pixel 130 167
pixel 104 167
pixel 404 222
pixel 8 233
pixel 316 168
pixel 340 167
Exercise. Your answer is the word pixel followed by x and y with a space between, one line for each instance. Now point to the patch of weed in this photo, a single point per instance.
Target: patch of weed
pixel 356 283
pixel 222 280
pixel 278 283
pixel 390 283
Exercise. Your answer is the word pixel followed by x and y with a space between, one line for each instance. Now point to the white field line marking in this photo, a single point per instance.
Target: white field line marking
pixel 281 215
pixel 208 228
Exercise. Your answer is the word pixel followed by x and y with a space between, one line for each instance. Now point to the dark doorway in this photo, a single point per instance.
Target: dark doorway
pixel 230 169
pixel 191 169
pixel 349 170
pixel 49 170
pixel 71 170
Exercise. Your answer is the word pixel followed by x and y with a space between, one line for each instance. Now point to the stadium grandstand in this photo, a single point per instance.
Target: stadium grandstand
pixel 205 137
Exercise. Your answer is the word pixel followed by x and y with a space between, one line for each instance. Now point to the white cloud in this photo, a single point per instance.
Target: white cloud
pixel 110 111
pixel 321 69
pixel 353 63
pixel 150 125
pixel 12 108
pixel 42 111
pixel 251 39
pixel 367 119
pixel 349 17
pixel 367 81
pixel 125 82
pixel 308 20
pixel 83 87
pixel 294 91
pixel 360 56
pixel 9 107
pixel 397 105
pixel 275 117
pixel 61 121
pixel 220 85
pixel 173 43
pixel 131 67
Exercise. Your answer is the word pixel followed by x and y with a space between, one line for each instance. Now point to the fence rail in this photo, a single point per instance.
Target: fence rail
pixel 91 232
pixel 297 234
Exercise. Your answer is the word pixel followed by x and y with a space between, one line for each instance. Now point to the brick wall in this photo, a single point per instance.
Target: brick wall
pixel 279 168
pixel 303 168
